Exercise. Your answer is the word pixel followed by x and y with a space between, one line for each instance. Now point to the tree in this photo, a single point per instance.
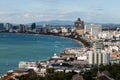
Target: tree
pixel 50 70
pixel 117 76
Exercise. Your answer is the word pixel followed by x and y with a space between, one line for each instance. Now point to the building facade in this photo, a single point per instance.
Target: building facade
pixel 79 24
pixel 8 26
pixel 79 27
pixel 98 58
pixel 93 29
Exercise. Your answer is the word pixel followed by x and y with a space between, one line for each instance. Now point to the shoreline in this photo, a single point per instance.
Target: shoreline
pixel 46 35
pixel 79 42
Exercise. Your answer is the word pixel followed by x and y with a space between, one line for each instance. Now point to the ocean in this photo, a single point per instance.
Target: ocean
pixel 26 47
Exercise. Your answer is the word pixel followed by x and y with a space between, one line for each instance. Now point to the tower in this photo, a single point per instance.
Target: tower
pixel 79 27
pixel 79 24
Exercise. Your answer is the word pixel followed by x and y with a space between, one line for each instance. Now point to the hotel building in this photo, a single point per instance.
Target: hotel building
pixel 79 27
pixel 98 57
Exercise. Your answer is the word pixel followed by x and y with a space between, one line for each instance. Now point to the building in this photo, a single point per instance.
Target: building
pixel 115 58
pixel 106 35
pixel 93 29
pixel 1 27
pixel 13 74
pixel 64 30
pixel 79 24
pixel 98 57
pixel 22 28
pixel 98 45
pixel 8 27
pixel 70 29
pixel 23 64
pixel 54 30
pixel 82 58
pixel 104 75
pixel 33 26
pixel 79 27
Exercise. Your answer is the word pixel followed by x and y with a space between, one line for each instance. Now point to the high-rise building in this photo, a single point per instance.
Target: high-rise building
pixel 22 28
pixel 8 26
pixel 33 26
pixel 79 27
pixel 1 27
pixel 93 29
pixel 79 24
pixel 98 57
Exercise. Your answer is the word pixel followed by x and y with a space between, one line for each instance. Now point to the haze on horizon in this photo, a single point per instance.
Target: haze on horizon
pixel 27 11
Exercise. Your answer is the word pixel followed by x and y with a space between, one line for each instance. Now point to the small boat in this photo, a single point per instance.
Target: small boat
pixel 6 64
pixel 36 34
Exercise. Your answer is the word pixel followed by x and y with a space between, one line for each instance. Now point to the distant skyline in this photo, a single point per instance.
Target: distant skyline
pixel 27 11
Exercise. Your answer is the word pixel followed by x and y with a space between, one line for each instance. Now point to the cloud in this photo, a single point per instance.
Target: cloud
pixel 93 15
pixel 99 9
pixel 49 0
pixel 27 15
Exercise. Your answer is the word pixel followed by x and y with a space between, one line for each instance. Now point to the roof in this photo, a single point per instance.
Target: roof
pixel 98 74
pixel 104 78
pixel 20 70
pixel 77 77
pixel 105 73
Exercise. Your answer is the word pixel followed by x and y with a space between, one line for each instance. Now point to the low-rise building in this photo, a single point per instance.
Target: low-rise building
pixel 115 58
pixel 23 64
pixel 64 30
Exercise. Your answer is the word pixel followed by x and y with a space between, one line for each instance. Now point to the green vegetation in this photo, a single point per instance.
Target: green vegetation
pixel 59 76
pixel 66 65
pixel 53 76
pixel 31 76
pixel 76 37
pixel 50 70
pixel 114 71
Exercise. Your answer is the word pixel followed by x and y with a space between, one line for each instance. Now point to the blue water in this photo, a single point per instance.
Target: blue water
pixel 25 47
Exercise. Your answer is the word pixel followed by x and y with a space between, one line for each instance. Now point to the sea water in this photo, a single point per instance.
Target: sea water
pixel 25 47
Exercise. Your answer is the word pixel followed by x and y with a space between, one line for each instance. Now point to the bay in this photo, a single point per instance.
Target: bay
pixel 26 47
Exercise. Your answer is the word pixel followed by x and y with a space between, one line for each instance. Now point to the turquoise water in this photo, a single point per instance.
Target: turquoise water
pixel 24 47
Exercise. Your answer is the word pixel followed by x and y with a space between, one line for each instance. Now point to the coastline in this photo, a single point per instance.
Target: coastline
pixel 44 35
pixel 79 42
pixel 37 35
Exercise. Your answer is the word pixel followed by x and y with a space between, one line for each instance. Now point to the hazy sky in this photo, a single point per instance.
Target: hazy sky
pixel 27 11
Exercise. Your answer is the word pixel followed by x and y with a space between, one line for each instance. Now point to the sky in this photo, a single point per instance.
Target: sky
pixel 27 11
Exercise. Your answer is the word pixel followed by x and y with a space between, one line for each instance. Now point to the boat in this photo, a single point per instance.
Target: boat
pixel 6 64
